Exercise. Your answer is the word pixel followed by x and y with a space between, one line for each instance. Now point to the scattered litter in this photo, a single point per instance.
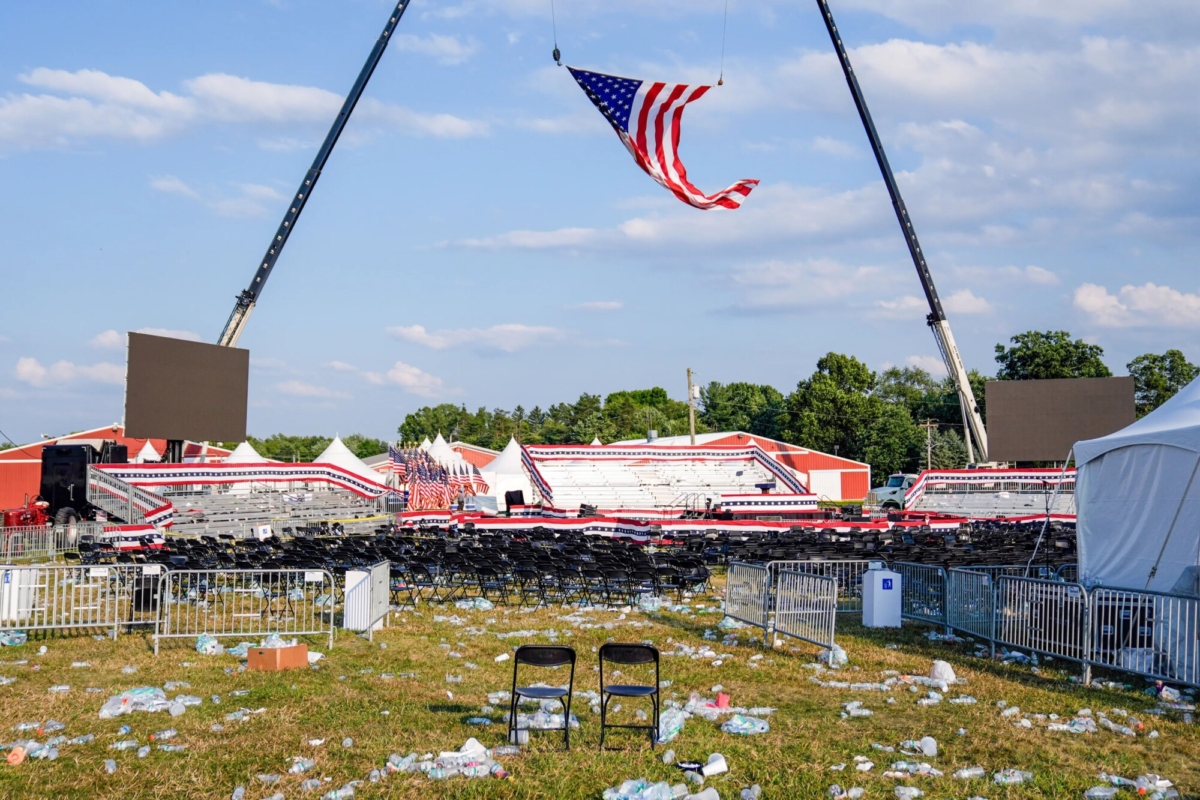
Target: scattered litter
pixel 745 726
pixel 13 638
pixel 1011 777
pixel 207 645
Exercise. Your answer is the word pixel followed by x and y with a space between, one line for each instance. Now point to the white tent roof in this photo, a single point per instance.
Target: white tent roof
pixel 147 453
pixel 444 454
pixel 339 455
pixel 244 453
pixel 426 444
pixel 596 441
pixel 509 460
pixel 1138 498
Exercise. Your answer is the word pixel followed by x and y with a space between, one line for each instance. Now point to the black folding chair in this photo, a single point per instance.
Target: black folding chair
pixel 539 655
pixel 628 655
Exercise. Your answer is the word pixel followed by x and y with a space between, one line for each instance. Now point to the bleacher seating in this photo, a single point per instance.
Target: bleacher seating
pixel 239 513
pixel 649 483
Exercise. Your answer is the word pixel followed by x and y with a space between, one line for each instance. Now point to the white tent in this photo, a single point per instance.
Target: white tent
pixel 1138 498
pixel 426 444
pixel 244 453
pixel 147 455
pixel 339 455
pixel 445 455
pixel 506 473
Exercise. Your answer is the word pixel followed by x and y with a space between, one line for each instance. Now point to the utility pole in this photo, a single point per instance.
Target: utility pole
pixel 691 407
pixel 929 427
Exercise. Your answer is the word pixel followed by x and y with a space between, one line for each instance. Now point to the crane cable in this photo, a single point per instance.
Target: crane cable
pixel 724 26
pixel 557 54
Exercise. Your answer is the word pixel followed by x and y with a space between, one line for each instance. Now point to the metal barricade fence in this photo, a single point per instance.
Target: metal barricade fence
pixel 848 573
pixel 922 592
pixel 806 607
pixel 1040 571
pixel 970 605
pixel 1149 633
pixel 747 593
pixel 43 541
pixel 1048 617
pixel 247 603
pixel 60 597
pixel 1067 572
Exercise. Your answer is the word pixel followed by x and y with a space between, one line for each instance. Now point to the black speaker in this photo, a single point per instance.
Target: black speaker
pixel 145 593
pixel 514 498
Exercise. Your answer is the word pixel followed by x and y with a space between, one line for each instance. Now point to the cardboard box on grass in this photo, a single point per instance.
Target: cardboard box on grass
pixel 274 659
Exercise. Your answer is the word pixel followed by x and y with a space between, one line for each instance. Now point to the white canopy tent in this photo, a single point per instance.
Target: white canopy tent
pixel 444 454
pixel 339 455
pixel 506 473
pixel 244 453
pixel 1137 493
pixel 147 455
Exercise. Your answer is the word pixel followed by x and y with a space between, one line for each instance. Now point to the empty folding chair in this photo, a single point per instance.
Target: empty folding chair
pixel 540 655
pixel 628 655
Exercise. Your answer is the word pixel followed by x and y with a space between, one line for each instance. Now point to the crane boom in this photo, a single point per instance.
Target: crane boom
pixel 249 296
pixel 937 317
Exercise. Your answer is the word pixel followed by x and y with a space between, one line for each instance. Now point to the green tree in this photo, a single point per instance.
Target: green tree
pixel 1037 355
pixel 837 410
pixel 289 448
pixel 1157 378
pixel 430 421
pixel 755 408
pixel 364 446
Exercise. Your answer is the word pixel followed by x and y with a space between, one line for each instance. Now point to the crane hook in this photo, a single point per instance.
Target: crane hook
pixel 557 56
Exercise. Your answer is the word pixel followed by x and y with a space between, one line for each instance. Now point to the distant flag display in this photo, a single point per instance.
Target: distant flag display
pixel 647 117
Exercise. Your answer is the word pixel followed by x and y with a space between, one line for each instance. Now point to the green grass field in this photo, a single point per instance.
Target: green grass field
pixel 347 695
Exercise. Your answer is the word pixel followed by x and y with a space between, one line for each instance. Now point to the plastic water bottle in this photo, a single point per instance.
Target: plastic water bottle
pixel 970 772
pixel 668 757
pixel 301 764
pixel 1101 793
pixel 310 784
pixel 143 751
pixel 239 793
pixel 347 743
pixel 124 730
pixel 126 744
pixel 87 738
pixel 506 750
pixel 162 736
pixel 110 766
pixel 172 748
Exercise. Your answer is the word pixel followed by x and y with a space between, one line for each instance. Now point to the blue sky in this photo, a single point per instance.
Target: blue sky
pixel 480 236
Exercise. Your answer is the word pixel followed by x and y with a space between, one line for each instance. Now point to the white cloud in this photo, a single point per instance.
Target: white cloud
pixel 508 338
pixel 1010 274
pixel 256 191
pixel 31 371
pixel 444 49
pixel 411 379
pixel 834 147
pixel 931 364
pixel 597 305
pixel 302 389
pixel 1148 305
pixel 906 307
pixel 790 285
pixel 190 336
pixel 107 340
pixel 966 302
pixel 268 364
pixel 89 104
pixel 172 185
pixel 341 366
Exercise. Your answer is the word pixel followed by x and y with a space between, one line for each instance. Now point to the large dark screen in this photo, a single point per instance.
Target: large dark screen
pixel 1042 420
pixel 175 389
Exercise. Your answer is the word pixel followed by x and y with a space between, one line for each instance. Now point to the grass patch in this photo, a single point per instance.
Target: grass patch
pixel 346 695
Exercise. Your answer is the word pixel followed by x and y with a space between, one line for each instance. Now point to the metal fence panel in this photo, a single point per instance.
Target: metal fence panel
pixel 43 541
pixel 59 597
pixel 922 592
pixel 1044 616
pixel 806 607
pixel 747 588
pixel 847 572
pixel 970 605
pixel 247 603
pixel 1152 634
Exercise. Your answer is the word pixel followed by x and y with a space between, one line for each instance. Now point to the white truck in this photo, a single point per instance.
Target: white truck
pixel 890 497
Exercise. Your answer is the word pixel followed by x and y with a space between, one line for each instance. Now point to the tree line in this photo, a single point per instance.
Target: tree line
pixel 843 407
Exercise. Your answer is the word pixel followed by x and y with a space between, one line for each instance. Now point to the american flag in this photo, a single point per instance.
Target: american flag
pixel 647 117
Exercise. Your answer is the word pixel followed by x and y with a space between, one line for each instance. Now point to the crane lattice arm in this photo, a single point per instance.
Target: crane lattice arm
pixel 249 296
pixel 937 317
